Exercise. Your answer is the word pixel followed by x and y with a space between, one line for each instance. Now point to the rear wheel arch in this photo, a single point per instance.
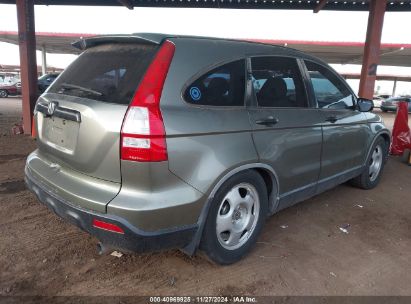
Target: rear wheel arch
pixel 268 174
pixel 271 182
pixel 236 217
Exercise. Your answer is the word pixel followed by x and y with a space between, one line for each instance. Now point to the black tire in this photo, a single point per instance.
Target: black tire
pixel 3 93
pixel 365 180
pixel 211 243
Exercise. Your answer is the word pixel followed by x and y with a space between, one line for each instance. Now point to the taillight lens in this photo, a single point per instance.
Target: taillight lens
pixel 142 133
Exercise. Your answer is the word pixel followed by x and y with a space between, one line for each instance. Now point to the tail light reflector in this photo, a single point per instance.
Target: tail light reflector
pixel 107 226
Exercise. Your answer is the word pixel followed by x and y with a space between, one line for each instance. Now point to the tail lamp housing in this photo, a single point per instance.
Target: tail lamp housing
pixel 142 134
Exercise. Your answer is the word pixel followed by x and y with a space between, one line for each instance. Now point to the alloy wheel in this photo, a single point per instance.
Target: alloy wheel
pixel 237 216
pixel 375 163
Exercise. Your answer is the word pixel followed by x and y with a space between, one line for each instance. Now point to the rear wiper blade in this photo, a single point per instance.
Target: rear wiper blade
pixel 77 87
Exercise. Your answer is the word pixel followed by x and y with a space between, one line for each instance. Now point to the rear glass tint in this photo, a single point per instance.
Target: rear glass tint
pixel 108 73
pixel 223 86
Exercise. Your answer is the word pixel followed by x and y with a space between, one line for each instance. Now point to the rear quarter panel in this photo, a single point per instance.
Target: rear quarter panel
pixel 203 143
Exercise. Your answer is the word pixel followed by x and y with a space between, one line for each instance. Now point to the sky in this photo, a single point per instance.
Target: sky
pixel 264 24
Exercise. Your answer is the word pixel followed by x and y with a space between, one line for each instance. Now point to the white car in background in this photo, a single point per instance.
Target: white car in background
pixel 379 99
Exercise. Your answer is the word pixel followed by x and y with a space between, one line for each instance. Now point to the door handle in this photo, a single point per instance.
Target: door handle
pixel 269 121
pixel 331 119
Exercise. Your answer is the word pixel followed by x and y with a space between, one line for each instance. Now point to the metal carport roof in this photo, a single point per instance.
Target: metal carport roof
pixel 57 43
pixel 341 52
pixel 339 5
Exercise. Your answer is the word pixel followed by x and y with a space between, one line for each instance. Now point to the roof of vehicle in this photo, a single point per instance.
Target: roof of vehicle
pixel 151 38
pixel 158 38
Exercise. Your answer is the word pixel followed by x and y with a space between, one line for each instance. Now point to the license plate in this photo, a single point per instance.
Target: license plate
pixel 61 134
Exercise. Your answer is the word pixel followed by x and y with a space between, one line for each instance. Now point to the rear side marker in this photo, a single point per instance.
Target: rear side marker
pixel 107 226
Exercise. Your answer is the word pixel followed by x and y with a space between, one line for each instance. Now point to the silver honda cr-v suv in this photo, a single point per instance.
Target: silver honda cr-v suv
pixel 150 141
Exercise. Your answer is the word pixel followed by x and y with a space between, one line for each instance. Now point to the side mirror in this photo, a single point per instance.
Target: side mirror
pixel 365 105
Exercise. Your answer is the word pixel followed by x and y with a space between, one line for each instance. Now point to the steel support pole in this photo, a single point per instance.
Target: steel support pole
pixel 372 48
pixel 43 60
pixel 394 87
pixel 28 64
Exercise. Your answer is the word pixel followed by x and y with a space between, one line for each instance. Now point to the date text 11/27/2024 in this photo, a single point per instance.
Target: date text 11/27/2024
pixel 203 299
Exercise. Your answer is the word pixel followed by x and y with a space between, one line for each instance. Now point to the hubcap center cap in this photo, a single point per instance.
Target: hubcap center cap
pixel 237 215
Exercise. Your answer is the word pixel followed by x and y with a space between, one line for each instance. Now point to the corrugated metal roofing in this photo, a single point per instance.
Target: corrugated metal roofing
pixel 339 5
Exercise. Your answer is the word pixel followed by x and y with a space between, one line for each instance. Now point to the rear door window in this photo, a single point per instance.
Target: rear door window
pixel 222 86
pixel 107 73
pixel 277 82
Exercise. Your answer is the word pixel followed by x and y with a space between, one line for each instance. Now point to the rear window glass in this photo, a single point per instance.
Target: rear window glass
pixel 222 86
pixel 108 73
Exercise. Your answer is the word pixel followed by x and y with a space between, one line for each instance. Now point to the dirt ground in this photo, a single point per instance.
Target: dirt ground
pixel 301 251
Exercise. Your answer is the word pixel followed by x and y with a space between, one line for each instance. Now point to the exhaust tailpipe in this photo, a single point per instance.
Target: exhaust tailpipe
pixel 102 249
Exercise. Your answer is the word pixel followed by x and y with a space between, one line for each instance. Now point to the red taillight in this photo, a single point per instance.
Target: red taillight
pixel 142 133
pixel 107 226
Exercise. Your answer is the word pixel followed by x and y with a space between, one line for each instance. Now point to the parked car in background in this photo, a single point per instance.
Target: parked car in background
pixel 9 89
pixel 150 141
pixel 384 96
pixel 377 101
pixel 390 104
pixel 46 80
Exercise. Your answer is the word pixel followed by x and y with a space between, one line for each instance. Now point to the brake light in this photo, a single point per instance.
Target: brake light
pixel 107 226
pixel 142 133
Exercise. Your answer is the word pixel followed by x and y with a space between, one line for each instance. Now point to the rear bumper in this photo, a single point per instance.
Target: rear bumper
pixel 133 239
